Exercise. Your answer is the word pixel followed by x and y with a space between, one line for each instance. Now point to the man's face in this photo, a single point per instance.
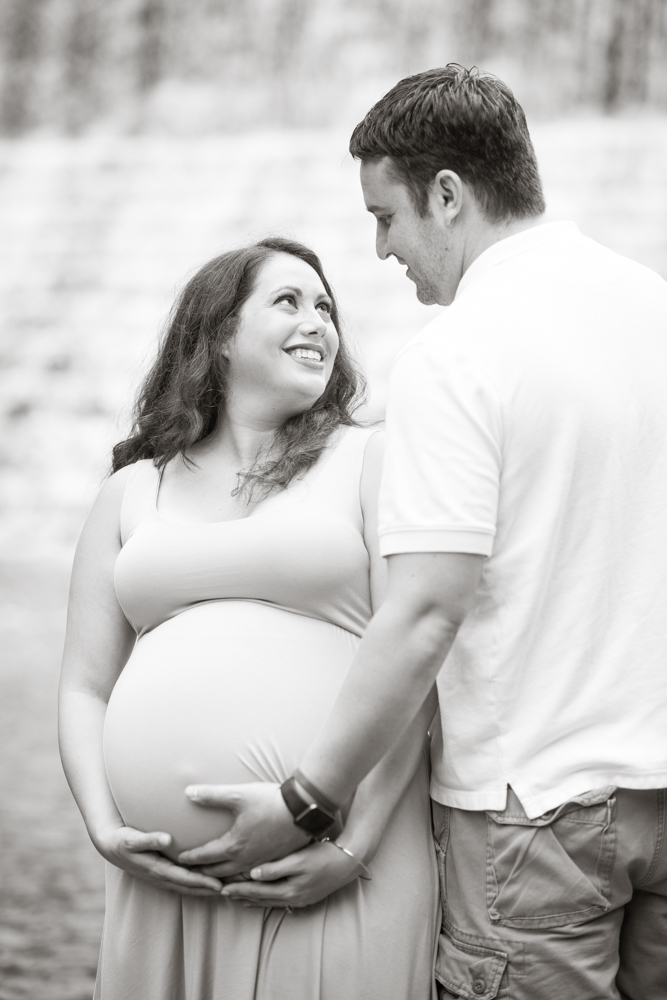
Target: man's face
pixel 422 243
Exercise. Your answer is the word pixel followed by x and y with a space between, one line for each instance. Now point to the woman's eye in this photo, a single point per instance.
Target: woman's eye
pixel 325 306
pixel 287 297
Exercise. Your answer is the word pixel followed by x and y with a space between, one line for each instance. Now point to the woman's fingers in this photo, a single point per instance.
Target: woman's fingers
pixel 184 876
pixel 293 864
pixel 142 852
pixel 136 841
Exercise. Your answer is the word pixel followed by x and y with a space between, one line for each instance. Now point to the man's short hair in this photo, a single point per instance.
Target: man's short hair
pixel 456 119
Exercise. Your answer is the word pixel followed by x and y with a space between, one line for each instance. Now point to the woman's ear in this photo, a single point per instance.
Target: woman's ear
pixel 227 331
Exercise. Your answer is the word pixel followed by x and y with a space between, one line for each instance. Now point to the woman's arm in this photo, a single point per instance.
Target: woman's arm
pixel 309 875
pixel 98 643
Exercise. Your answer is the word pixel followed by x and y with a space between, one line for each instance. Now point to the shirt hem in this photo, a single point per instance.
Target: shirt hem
pixel 536 805
pixel 420 540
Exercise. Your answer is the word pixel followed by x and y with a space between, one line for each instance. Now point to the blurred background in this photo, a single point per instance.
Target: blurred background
pixel 138 138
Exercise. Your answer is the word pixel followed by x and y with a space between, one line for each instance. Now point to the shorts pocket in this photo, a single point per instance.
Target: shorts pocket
pixel 469 970
pixel 552 870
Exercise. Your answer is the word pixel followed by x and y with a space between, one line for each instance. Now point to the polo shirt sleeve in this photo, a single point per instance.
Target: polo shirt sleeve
pixel 441 477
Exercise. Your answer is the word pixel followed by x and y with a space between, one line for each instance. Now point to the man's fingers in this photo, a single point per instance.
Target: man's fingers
pixel 208 854
pixel 223 869
pixel 218 796
pixel 267 872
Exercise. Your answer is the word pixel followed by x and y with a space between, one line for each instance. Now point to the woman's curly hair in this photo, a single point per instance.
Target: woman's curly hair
pixel 183 394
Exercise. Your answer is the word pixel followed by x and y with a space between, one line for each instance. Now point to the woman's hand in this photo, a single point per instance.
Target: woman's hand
pixel 139 854
pixel 300 879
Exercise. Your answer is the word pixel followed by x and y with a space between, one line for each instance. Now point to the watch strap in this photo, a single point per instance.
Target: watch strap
pixel 320 797
pixel 308 816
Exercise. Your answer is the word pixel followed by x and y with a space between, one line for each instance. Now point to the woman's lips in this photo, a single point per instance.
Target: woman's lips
pixel 308 362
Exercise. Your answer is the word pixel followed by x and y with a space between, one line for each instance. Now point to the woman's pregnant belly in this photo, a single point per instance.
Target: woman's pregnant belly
pixel 226 692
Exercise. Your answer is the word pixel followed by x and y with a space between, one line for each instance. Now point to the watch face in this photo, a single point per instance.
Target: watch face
pixel 315 821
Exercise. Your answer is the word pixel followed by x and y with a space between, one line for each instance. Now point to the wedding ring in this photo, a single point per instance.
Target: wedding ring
pixel 289 909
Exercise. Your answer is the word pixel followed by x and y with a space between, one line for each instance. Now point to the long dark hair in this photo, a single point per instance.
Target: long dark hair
pixel 182 396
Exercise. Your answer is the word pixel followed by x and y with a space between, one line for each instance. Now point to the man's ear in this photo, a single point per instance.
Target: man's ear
pixel 446 196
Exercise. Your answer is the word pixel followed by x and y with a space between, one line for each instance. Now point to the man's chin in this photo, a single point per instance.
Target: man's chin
pixel 426 296
pixel 425 293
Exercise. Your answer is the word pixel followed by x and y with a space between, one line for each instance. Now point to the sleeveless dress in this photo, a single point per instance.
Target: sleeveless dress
pixel 246 630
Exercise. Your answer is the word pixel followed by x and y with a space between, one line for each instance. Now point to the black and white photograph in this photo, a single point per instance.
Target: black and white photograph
pixel 333 500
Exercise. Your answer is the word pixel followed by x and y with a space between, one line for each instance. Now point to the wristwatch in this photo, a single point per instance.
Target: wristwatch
pixel 308 816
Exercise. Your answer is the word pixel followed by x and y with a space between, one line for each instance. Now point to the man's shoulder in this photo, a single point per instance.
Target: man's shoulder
pixel 443 353
pixel 458 331
pixel 610 261
pixel 438 334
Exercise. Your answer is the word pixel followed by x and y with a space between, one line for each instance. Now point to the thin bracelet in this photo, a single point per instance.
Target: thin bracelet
pixel 365 873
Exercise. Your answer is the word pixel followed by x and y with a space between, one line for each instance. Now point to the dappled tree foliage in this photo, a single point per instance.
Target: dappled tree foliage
pixel 72 64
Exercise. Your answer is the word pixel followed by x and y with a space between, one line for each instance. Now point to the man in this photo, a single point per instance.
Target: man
pixel 524 518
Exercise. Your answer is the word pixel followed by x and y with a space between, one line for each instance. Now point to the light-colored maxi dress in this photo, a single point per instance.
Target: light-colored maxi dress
pixel 246 630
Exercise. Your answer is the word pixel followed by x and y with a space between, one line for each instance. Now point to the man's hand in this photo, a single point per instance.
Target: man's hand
pixel 139 854
pixel 300 879
pixel 263 829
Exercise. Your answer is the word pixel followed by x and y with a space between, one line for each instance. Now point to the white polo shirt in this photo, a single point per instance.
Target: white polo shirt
pixel 528 423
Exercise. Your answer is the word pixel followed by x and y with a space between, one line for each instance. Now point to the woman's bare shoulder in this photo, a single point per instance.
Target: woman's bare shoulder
pixel 105 512
pixel 374 451
pixel 371 471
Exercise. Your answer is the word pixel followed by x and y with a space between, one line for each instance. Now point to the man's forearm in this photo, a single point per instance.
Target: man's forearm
pixel 388 682
pixel 429 595
pixel 381 790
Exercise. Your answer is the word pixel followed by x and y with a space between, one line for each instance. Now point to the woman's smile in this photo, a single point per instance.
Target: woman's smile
pixel 310 356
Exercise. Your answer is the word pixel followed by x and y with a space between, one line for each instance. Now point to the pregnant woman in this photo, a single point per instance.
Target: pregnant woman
pixel 220 588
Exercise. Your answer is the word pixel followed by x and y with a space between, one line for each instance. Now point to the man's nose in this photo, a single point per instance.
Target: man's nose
pixel 381 244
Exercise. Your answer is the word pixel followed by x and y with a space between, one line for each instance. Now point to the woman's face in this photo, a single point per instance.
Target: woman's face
pixel 284 347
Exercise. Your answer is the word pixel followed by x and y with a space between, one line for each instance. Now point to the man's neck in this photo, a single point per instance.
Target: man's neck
pixel 487 234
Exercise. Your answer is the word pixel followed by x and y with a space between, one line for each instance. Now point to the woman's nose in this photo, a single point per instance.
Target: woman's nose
pixel 314 325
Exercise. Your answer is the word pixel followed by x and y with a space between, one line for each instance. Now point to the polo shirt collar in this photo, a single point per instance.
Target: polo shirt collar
pixel 520 243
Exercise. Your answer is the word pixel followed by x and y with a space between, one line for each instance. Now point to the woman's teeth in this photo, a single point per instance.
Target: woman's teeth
pixel 302 352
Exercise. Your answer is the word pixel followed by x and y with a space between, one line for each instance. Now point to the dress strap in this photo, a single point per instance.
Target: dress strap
pixel 139 497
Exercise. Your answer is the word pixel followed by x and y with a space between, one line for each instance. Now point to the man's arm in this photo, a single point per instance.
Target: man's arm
pixel 428 597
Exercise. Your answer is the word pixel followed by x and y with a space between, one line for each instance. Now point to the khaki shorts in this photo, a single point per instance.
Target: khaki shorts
pixel 569 906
